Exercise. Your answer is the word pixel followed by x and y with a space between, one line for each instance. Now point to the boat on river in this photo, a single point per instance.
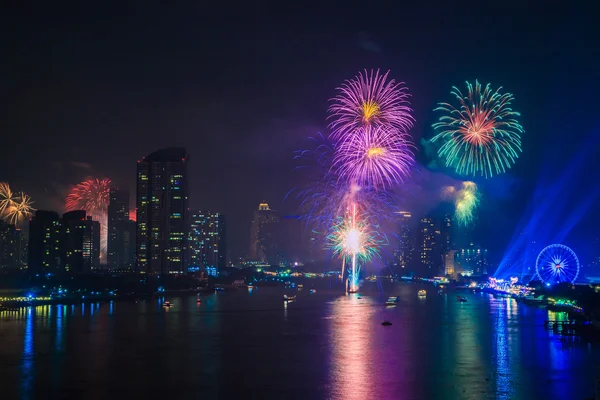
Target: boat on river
pixel 392 301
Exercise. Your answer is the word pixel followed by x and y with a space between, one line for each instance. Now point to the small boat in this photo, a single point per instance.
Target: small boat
pixel 313 291
pixel 392 301
pixel 219 289
pixel 167 304
pixel 300 286
pixel 422 293
pixel 386 323
pixel 462 299
pixel 250 286
pixel 288 298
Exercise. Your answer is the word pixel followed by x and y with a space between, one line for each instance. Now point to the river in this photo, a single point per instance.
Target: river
pixel 250 344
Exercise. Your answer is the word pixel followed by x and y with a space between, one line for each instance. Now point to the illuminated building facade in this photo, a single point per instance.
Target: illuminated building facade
pixel 162 212
pixel 404 253
pixel 449 268
pixel 44 252
pixel 12 247
pixel 80 243
pixel 428 247
pixel 265 238
pixel 207 240
pixel 121 236
pixel 472 260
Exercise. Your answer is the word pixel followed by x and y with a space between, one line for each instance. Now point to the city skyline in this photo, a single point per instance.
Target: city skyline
pixel 115 124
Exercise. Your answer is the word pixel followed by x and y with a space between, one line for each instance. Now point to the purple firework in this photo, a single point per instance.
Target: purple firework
pixel 370 100
pixel 374 156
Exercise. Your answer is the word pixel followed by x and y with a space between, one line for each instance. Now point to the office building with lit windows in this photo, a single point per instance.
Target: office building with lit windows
pixel 428 247
pixel 162 211
pixel 120 233
pixel 44 255
pixel 12 247
pixel 265 236
pixel 207 240
pixel 80 243
pixel 404 253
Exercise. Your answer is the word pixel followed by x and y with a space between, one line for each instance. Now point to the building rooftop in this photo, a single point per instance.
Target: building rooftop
pixel 170 154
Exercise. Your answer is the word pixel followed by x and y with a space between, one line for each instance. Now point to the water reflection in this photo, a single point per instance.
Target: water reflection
pixel 350 330
pixel 27 358
pixel 504 389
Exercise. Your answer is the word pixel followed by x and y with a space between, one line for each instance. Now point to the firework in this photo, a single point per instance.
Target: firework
pixel 326 196
pixel 92 196
pixel 374 156
pixel 20 209
pixel 14 207
pixel 7 197
pixel 467 200
pixel 481 136
pixel 351 240
pixel 370 100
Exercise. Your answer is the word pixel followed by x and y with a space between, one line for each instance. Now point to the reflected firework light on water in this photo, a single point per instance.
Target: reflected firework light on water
pixel 93 196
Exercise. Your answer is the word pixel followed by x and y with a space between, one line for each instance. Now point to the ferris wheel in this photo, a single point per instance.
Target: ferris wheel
pixel 557 264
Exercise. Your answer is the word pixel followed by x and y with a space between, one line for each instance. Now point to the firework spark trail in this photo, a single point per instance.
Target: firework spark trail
pixel 370 99
pixel 14 207
pixel 328 197
pixel 481 136
pixel 7 197
pixel 352 241
pixel 93 196
pixel 19 210
pixel 466 201
pixel 368 152
pixel 374 157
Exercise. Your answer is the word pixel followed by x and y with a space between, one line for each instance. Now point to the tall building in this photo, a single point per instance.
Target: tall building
pixel 405 246
pixel 80 242
pixel 207 240
pixel 429 254
pixel 265 239
pixel 162 212
pixel 44 254
pixel 449 268
pixel 11 247
pixel 446 242
pixel 472 260
pixel 119 230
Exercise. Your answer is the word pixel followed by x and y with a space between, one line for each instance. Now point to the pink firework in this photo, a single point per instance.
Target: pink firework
pixel 370 100
pixel 93 196
pixel 376 157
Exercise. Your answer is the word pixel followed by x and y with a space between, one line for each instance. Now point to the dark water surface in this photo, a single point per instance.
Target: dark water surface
pixel 241 344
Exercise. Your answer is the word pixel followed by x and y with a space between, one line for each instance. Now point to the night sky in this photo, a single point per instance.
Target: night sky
pixel 89 89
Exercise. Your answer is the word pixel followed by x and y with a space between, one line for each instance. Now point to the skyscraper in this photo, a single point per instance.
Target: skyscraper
pixel 11 246
pixel 265 240
pixel 208 240
pixel 405 245
pixel 80 242
pixel 44 242
pixel 446 237
pixel 472 260
pixel 119 233
pixel 162 213
pixel 429 255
